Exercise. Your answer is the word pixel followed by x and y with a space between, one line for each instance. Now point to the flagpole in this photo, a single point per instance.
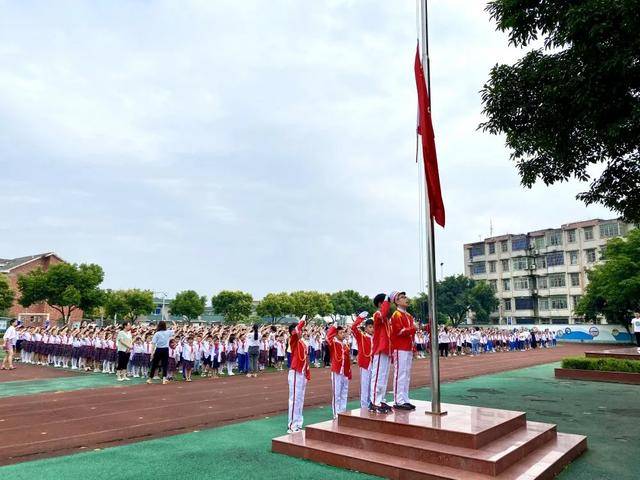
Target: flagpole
pixel 430 243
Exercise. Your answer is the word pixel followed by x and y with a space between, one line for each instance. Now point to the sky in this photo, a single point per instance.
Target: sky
pixel 256 146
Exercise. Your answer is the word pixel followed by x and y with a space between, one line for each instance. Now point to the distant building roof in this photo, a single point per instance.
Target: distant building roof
pixel 8 264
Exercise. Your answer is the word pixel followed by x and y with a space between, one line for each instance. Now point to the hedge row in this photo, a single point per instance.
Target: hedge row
pixel 602 364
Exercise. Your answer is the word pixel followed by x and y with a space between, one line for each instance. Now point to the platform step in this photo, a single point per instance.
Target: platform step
pixel 541 464
pixel 491 459
pixel 462 426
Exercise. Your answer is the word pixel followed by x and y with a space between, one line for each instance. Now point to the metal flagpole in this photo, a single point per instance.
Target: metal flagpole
pixel 431 251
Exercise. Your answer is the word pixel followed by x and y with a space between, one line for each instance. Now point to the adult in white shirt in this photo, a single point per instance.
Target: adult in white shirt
pixel 10 337
pixel 635 323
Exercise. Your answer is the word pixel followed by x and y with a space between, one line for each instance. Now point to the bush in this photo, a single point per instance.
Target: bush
pixel 602 364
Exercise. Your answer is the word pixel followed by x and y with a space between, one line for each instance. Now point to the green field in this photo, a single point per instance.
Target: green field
pixel 607 413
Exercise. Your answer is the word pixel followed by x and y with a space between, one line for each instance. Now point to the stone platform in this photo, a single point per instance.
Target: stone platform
pixel 467 443
pixel 622 353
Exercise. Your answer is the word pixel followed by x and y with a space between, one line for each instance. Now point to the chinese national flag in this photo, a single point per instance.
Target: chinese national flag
pixel 425 129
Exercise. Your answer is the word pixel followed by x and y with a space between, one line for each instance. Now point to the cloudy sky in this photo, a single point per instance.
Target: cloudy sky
pixel 262 146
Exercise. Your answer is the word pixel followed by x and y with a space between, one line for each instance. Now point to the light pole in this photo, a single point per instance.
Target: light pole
pixel 441 270
pixel 164 298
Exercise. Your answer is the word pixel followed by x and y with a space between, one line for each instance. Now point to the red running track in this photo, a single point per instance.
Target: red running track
pixel 49 424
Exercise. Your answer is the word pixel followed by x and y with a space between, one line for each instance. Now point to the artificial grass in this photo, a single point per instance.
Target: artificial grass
pixel 606 413
pixel 602 364
pixel 61 384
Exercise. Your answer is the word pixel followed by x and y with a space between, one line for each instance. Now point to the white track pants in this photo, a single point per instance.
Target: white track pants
pixel 401 375
pixel 379 378
pixel 297 386
pixel 340 384
pixel 365 386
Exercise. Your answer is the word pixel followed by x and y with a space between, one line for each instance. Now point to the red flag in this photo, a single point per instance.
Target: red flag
pixel 425 129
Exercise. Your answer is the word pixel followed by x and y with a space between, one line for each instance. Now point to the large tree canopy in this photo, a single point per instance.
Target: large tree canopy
pixel 6 295
pixel 188 304
pixel 64 287
pixel 457 295
pixel 236 306
pixel 574 102
pixel 274 306
pixel 614 286
pixel 128 304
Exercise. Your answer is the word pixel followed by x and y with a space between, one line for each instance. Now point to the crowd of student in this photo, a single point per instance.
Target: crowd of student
pixel 217 350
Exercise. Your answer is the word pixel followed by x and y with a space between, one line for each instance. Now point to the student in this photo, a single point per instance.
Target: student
pixel 280 351
pixel 381 354
pixel 263 357
pixel 402 331
pixel 174 358
pixel 340 368
pixel 364 340
pixel 216 353
pixel 253 352
pixel 299 374
pixel 138 357
pixel 10 338
pixel 635 323
pixel 188 356
pixel 231 354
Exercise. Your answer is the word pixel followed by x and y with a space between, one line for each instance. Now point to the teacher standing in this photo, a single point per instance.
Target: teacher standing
pixel 160 343
pixel 123 344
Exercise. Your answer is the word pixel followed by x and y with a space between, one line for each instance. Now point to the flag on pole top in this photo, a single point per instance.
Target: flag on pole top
pixel 425 130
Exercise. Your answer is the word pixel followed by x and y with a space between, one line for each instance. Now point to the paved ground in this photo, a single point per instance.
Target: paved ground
pixel 33 372
pixel 59 423
pixel 606 413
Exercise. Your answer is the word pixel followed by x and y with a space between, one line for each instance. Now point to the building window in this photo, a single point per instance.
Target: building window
pixel 575 299
pixel 541 262
pixel 494 285
pixel 555 258
pixel 603 251
pixel 507 304
pixel 492 266
pixel 476 250
pixel 504 246
pixel 573 257
pixel 555 239
pixel 575 279
pixel 591 255
pixel 558 302
pixel 158 310
pixel 492 247
pixel 505 265
pixel 557 280
pixel 609 230
pixel 478 268
pixel 506 284
pixel 588 233
pixel 520 263
pixel 542 282
pixel 519 243
pixel 571 236
pixel 539 242
pixel 521 283
pixel 543 304
pixel 524 303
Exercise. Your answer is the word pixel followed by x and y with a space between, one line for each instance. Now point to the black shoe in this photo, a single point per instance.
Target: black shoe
pixel 373 408
pixel 410 405
pixel 386 405
pixel 404 406
pixel 386 409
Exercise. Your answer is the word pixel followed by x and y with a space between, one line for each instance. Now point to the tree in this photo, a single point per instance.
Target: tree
pixel 349 302
pixel 64 287
pixel 234 305
pixel 128 304
pixel 188 304
pixel 614 286
pixel 275 306
pixel 311 304
pixel 6 295
pixel 457 295
pixel 419 307
pixel 573 103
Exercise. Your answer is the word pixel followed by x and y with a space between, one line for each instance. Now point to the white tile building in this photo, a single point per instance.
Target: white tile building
pixel 539 276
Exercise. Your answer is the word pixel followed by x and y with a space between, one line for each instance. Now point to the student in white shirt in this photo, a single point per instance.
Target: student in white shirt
pixel 10 337
pixel 635 323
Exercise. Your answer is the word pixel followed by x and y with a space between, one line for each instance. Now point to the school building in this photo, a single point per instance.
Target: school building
pixel 540 276
pixel 37 314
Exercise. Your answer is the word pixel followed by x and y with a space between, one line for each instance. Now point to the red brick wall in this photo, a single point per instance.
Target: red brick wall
pixel 43 263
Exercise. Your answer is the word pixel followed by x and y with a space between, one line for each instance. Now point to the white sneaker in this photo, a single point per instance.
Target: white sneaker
pixel 126 379
pixel 293 430
pixel 120 379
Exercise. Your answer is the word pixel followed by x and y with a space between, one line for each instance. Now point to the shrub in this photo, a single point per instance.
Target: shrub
pixel 602 364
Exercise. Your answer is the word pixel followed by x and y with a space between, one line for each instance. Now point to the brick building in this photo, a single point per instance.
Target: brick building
pixel 36 314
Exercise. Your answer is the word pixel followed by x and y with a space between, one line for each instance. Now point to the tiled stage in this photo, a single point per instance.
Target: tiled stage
pixel 466 443
pixel 622 353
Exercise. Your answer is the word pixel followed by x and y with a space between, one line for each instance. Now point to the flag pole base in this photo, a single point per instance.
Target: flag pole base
pixel 439 414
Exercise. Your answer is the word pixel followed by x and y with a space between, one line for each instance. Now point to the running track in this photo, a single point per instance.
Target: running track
pixel 51 424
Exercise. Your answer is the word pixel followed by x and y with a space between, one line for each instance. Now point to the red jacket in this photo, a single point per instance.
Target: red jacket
pixel 365 344
pixel 299 351
pixel 382 330
pixel 340 355
pixel 402 331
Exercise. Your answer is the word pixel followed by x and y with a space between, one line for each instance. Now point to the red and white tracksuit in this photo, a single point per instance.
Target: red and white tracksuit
pixel 340 371
pixel 365 350
pixel 381 353
pixel 403 330
pixel 299 374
